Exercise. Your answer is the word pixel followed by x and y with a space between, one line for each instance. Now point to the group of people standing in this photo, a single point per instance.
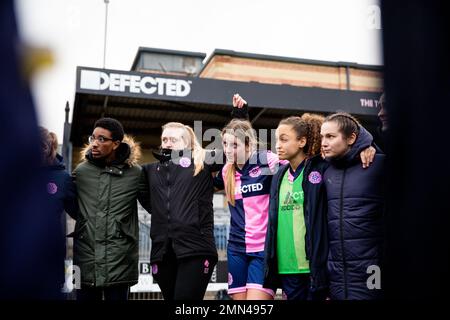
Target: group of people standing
pixel 307 219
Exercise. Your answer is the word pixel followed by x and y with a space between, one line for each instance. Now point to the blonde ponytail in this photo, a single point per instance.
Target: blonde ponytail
pixel 198 153
pixel 230 183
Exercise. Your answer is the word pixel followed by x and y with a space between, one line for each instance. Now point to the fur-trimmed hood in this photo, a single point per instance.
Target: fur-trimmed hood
pixel 129 149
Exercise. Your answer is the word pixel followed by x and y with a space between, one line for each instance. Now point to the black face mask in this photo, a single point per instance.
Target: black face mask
pixel 169 154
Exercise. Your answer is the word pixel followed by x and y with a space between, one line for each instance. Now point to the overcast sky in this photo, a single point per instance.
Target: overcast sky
pixel 331 30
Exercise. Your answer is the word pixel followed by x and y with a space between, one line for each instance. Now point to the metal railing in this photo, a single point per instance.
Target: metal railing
pixel 221 232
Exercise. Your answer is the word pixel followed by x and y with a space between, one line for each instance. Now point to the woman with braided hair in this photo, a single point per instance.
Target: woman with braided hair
pixel 296 242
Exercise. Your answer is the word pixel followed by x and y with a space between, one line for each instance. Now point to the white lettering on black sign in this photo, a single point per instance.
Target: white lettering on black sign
pixel 369 103
pixel 144 268
pixel 98 80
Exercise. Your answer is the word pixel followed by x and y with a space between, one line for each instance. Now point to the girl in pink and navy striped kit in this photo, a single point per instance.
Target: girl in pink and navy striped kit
pixel 246 178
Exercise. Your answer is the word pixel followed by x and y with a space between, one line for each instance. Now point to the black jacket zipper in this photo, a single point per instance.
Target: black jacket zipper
pixel 168 191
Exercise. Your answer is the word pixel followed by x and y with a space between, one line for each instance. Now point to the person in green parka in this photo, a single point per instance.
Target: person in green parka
pixel 106 234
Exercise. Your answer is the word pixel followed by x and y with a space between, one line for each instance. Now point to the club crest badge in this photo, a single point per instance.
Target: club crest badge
pixel 315 177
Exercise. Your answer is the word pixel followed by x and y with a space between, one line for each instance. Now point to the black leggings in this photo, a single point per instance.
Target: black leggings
pixel 112 293
pixel 183 279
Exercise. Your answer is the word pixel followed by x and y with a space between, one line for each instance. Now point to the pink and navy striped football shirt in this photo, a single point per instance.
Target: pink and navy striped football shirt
pixel 249 216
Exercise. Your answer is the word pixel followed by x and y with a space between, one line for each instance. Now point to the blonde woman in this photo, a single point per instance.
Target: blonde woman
pixel 178 192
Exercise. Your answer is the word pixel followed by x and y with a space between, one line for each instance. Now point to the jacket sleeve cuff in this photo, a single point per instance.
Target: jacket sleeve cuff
pixel 240 113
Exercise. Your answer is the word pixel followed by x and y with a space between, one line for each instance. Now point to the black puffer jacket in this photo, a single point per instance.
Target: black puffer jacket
pixel 180 204
pixel 355 210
